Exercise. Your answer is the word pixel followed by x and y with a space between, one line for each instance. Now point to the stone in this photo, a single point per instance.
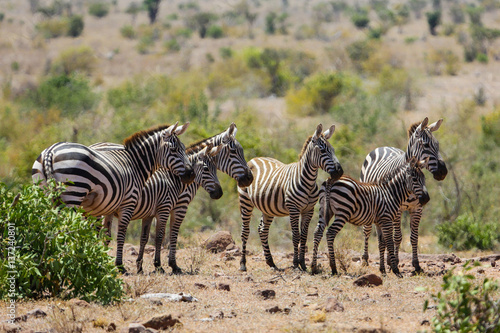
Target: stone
pixel 217 315
pixel 111 327
pixel 274 309
pixel 133 251
pixel 368 280
pixel 333 305
pixel 180 297
pixel 223 286
pixel 37 313
pixel 161 322
pixel 133 328
pixel 10 328
pixel 218 242
pixel 266 294
pixel 79 302
pixel 200 285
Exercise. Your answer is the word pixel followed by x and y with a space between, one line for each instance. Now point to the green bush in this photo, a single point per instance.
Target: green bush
pixel 79 59
pixel 466 233
pixel 138 93
pixel 172 45
pixel 53 28
pixel 433 19
pixel 76 26
pixel 128 31
pixel 71 94
pixel 58 251
pixel 215 31
pixel 360 20
pixel 464 306
pixel 359 51
pixel 99 9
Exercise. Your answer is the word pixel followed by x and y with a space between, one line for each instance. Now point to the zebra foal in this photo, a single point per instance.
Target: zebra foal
pixel 383 160
pixel 367 203
pixel 110 182
pixel 287 190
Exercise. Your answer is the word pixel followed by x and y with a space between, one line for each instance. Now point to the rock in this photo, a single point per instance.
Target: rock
pixel 180 297
pixel 200 285
pixel 133 328
pixel 79 302
pixel 156 302
pixel 274 309
pixel 425 322
pixel 233 249
pixel 133 251
pixel 266 294
pixel 386 295
pixel 218 242
pixel 162 322
pixel 333 305
pixel 217 315
pixel 37 313
pixel 223 286
pixel 111 327
pixel 368 280
pixel 10 328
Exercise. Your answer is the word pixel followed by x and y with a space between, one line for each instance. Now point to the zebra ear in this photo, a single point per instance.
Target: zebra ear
pixel 205 149
pixel 319 129
pixel 215 150
pixel 329 132
pixel 423 125
pixel 168 132
pixel 181 129
pixel 231 131
pixel 435 126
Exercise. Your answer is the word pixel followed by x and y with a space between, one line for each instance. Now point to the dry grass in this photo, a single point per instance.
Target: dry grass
pixel 396 306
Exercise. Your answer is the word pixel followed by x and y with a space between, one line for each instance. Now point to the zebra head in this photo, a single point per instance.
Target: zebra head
pixel 415 180
pixel 231 158
pixel 423 144
pixel 205 169
pixel 172 154
pixel 323 154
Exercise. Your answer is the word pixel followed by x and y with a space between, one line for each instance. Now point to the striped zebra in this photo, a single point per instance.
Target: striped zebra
pixel 164 193
pixel 287 190
pixel 109 182
pixel 367 203
pixel 383 160
pixel 230 159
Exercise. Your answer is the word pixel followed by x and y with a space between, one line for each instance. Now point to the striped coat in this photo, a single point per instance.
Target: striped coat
pixel 366 203
pixel 287 190
pixel 421 145
pixel 110 182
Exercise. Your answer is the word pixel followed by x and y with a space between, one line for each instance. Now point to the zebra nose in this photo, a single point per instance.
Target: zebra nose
pixel 424 198
pixel 188 176
pixel 216 193
pixel 337 172
pixel 441 171
pixel 246 179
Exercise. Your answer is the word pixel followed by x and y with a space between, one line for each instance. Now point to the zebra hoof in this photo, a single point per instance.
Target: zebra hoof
pixel 176 270
pixel 159 270
pixel 140 271
pixel 243 268
pixel 122 270
pixel 315 270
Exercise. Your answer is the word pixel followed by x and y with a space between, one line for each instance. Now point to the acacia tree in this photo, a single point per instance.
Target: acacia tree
pixel 153 6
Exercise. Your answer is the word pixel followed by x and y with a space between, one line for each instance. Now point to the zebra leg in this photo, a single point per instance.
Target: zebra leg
pixel 246 209
pixel 367 230
pixel 381 248
pixel 123 221
pixel 415 216
pixel 265 223
pixel 107 224
pixel 161 222
pixel 398 236
pixel 387 232
pixel 294 223
pixel 324 218
pixel 331 233
pixel 145 228
pixel 305 219
pixel 176 217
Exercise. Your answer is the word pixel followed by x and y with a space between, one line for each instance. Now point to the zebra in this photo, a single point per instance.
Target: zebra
pixel 109 182
pixel 163 193
pixel 383 160
pixel 366 203
pixel 230 160
pixel 287 190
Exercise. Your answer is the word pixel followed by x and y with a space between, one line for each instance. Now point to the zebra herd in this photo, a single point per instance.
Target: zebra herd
pixel 153 175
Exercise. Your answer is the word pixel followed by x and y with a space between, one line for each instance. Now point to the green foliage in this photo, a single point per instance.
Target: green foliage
pixel 79 59
pixel 201 22
pixel 466 306
pixel 270 28
pixel 2 16
pixel 71 94
pixel 138 93
pixel 482 58
pixel 442 61
pixel 99 9
pixel 490 136
pixel 359 51
pixel 53 28
pixel 172 45
pixel 152 6
pixel 475 14
pixel 457 13
pixel 465 233
pixel 226 52
pixel 76 26
pixel 183 32
pixel 58 251
pixel 128 31
pixel 215 31
pixel 360 20
pixel 433 19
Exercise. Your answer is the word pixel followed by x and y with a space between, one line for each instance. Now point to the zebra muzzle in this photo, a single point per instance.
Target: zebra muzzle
pixel 441 172
pixel 424 198
pixel 216 193
pixel 246 179
pixel 337 172
pixel 188 176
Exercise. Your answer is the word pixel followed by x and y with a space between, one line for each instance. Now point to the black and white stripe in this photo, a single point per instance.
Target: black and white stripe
pixel 421 145
pixel 366 203
pixel 110 182
pixel 287 190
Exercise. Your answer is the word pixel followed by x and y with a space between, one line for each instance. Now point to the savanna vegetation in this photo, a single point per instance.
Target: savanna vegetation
pixel 91 71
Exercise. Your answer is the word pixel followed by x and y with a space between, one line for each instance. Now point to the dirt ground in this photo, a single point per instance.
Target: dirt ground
pixel 228 300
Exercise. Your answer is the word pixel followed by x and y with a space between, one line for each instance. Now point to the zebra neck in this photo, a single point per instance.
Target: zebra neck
pixel 307 172
pixel 144 159
pixel 397 189
pixel 411 149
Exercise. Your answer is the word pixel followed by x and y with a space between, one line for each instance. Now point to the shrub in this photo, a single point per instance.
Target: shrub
pixel 358 52
pixel 71 94
pixel 76 26
pixel 271 23
pixel 215 31
pixel 183 32
pixel 482 58
pixel 2 17
pixel 138 93
pixel 57 250
pixel 465 306
pixel 128 31
pixel 201 22
pixel 99 9
pixel 442 61
pixel 360 20
pixel 79 59
pixel 172 45
pixel 433 19
pixel 53 28
pixel 226 52
pixel 466 233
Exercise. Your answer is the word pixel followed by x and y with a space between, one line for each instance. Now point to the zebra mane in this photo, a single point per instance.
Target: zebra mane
pixel 305 146
pixel 141 135
pixel 199 145
pixel 412 129
pixel 390 175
